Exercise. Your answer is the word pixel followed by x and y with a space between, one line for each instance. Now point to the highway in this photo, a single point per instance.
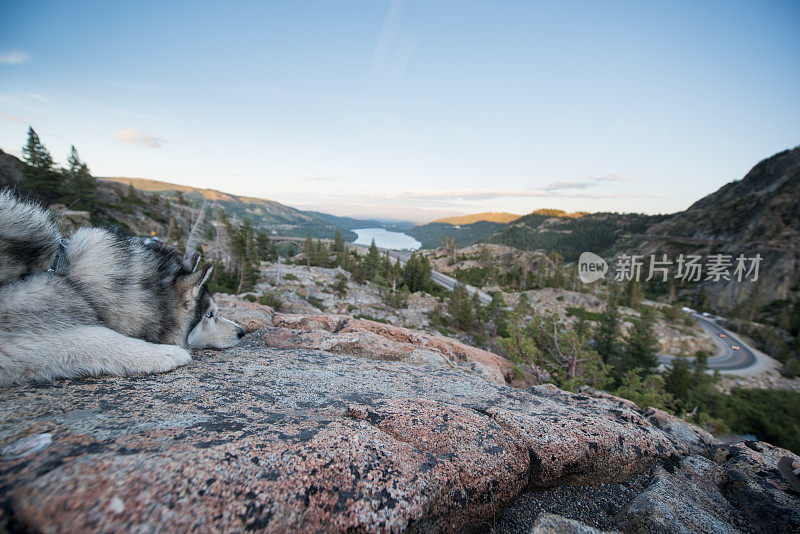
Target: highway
pixel 443 280
pixel 727 358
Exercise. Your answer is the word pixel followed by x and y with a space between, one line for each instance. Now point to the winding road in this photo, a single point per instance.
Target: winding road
pixel 727 358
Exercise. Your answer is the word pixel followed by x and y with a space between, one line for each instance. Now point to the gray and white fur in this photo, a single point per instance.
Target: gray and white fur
pixel 118 306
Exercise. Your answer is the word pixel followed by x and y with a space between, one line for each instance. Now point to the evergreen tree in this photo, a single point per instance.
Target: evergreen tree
pixel 417 273
pixel 496 315
pixel 645 392
pixel 340 287
pixel 523 306
pixel 308 249
pixel 476 308
pixel 641 343
pixel 606 338
pixel 82 185
pixel 460 307
pixel 372 262
pixel 633 294
pixel 265 248
pixel 39 175
pixel 338 241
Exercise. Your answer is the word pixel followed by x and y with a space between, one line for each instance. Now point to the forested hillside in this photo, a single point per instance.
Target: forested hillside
pixel 430 235
pixel 262 213
pixel 572 234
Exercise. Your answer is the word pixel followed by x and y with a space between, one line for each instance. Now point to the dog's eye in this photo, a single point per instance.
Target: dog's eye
pixel 210 314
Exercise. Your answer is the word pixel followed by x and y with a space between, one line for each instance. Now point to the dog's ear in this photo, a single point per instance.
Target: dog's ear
pixel 193 262
pixel 205 272
pixel 191 284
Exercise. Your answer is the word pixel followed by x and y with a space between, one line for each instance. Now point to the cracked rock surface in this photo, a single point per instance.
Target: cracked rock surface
pixel 297 439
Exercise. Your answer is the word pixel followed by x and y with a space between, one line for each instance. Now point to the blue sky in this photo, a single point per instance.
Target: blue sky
pixel 411 109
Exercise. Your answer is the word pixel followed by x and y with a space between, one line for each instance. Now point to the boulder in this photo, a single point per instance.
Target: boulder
pixel 249 315
pixel 755 486
pixel 740 490
pixel 344 334
pixel 275 440
pixel 683 498
pixel 698 440
pixel 548 523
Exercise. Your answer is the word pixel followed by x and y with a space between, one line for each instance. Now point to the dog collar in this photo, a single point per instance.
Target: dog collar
pixel 59 265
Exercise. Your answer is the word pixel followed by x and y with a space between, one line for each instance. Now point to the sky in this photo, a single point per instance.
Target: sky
pixel 410 109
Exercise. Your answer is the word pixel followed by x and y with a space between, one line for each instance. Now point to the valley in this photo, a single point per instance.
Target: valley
pixel 493 281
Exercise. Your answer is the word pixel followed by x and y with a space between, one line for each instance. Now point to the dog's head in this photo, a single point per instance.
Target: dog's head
pixel 207 329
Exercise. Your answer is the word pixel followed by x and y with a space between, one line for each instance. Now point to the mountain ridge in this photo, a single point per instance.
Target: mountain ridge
pixel 486 216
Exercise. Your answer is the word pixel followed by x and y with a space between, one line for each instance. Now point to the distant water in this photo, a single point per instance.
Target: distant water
pixel 386 239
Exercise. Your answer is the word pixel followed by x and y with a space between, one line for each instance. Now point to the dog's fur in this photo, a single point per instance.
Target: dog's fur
pixel 119 306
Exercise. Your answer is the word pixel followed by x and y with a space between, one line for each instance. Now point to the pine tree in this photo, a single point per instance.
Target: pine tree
pixel 39 175
pixel 606 339
pixel 641 343
pixel 476 308
pixel 322 257
pixel 82 185
pixel 338 242
pixel 308 249
pixel 417 273
pixel 372 262
pixel 460 307
pixel 265 248
pixel 495 313
pixel 633 294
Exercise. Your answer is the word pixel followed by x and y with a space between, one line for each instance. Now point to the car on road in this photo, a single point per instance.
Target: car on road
pixel 722 335
pixel 735 347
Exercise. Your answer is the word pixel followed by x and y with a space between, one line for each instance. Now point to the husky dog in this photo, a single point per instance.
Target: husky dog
pixel 99 303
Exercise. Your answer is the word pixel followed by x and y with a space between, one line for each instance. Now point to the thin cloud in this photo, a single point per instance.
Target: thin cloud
pixel 31 102
pixel 586 183
pixel 493 194
pixel 14 57
pixel 13 118
pixel 393 50
pixel 313 179
pixel 132 136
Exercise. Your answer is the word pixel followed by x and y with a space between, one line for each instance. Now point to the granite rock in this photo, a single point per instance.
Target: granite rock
pixel 255 438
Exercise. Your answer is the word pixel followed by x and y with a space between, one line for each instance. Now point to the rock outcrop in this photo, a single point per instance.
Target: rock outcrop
pixel 301 439
pixel 343 334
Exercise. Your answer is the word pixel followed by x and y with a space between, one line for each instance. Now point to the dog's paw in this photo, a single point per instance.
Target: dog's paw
pixel 176 355
pixel 159 359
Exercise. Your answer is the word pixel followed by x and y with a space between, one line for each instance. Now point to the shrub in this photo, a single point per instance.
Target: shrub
pixel 271 299
pixel 582 312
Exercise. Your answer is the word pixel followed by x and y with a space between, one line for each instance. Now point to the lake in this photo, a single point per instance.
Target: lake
pixel 386 239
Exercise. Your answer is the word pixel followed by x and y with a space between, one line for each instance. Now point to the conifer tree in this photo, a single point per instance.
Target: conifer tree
pixel 606 340
pixel 83 186
pixel 641 343
pixel 460 307
pixel 372 262
pixel 496 314
pixel 338 242
pixel 39 175
pixel 308 249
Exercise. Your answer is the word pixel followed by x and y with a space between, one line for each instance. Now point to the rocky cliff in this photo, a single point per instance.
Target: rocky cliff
pixel 755 215
pixel 326 423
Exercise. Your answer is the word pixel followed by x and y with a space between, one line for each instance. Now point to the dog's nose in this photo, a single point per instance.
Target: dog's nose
pixel 240 333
